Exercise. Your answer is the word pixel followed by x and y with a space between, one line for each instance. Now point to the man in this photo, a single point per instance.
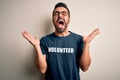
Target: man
pixel 61 53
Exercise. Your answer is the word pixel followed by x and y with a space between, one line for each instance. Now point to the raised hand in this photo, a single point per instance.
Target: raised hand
pixel 88 39
pixel 33 40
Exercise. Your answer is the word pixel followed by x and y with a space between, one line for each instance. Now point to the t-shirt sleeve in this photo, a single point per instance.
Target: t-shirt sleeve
pixel 80 46
pixel 43 47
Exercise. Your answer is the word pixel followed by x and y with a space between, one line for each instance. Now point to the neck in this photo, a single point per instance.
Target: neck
pixel 62 34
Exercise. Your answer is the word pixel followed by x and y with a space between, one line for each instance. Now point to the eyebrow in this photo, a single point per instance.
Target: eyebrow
pixel 61 11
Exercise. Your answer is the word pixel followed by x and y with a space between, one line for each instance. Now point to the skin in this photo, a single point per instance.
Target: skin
pixel 61 30
pixel 61 13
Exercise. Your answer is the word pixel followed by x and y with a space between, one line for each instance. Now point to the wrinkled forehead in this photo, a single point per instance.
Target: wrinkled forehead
pixel 60 9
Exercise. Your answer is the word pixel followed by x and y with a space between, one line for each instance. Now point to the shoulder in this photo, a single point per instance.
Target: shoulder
pixel 47 37
pixel 76 35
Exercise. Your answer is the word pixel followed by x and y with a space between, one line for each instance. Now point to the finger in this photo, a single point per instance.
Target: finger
pixel 23 34
pixel 26 35
pixel 84 38
pixel 96 31
pixel 93 34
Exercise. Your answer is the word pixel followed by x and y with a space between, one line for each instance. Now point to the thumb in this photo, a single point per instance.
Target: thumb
pixel 84 38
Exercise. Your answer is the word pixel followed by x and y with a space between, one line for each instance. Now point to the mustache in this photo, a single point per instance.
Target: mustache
pixel 60 19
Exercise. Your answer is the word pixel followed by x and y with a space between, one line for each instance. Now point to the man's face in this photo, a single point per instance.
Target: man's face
pixel 61 19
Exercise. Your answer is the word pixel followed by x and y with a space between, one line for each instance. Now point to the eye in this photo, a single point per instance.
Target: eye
pixel 64 13
pixel 56 13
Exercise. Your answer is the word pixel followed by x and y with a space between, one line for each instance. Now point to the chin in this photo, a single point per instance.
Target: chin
pixel 60 30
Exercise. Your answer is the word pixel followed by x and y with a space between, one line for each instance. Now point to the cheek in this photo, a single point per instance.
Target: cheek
pixel 54 19
pixel 67 20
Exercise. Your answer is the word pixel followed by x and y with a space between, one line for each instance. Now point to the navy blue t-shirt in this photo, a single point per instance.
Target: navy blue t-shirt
pixel 62 55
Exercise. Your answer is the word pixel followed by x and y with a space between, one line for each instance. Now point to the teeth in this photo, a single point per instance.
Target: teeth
pixel 60 19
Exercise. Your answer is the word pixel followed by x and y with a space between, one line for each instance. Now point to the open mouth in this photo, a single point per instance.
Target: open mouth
pixel 60 26
pixel 61 21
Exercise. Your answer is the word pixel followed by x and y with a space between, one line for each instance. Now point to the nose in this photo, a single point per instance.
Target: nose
pixel 60 15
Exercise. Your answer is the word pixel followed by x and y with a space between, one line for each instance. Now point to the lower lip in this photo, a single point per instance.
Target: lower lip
pixel 60 26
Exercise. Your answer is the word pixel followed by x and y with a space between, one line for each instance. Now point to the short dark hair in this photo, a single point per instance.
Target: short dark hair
pixel 61 4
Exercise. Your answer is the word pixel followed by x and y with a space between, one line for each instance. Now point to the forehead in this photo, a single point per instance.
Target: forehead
pixel 61 9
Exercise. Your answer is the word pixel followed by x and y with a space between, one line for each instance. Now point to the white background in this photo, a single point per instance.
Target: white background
pixel 17 56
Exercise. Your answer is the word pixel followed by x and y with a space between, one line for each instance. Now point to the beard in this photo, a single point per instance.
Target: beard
pixel 60 30
pixel 60 25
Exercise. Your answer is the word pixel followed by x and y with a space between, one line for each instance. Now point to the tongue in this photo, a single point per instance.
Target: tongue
pixel 60 26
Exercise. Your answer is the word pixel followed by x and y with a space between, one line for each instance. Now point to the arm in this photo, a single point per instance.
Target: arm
pixel 41 59
pixel 85 59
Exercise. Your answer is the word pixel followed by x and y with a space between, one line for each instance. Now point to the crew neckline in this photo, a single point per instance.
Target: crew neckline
pixel 62 36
